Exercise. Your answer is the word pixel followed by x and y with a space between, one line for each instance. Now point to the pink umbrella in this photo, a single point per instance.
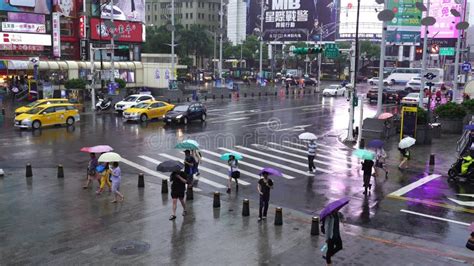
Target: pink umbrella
pixel 97 149
pixel 385 116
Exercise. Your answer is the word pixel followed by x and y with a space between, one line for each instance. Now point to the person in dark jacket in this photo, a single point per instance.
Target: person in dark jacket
pixel 178 188
pixel 367 166
pixel 330 227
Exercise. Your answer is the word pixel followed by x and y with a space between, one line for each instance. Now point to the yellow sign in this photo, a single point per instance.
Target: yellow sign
pixel 408 122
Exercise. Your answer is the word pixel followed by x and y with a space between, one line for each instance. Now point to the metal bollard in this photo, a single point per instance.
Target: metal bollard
pixel 187 99
pixel 246 208
pixel 276 93
pixel 217 200
pixel 29 171
pixel 60 171
pixel 362 143
pixel 164 186
pixel 432 159
pixel 169 100
pixel 278 216
pixel 315 226
pixel 189 194
pixel 205 98
pixel 266 93
pixel 141 180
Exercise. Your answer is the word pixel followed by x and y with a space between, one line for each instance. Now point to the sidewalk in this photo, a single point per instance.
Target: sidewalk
pixel 53 221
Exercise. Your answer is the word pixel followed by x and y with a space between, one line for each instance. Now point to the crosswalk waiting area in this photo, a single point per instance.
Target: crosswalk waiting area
pixel 288 157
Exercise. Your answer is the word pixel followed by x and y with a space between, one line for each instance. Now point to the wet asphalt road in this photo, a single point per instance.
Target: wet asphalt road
pixel 265 131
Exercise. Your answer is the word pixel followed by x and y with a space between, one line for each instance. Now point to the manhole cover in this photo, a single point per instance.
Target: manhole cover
pixel 130 247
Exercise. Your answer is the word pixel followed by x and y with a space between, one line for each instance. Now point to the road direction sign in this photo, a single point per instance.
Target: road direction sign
pixel 466 67
pixel 448 51
pixel 331 50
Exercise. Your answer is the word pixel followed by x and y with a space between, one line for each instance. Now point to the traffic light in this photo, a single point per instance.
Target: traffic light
pixel 310 50
pixel 355 101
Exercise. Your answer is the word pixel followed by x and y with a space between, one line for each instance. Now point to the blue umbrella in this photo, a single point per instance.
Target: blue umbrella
pixel 226 156
pixel 333 207
pixel 375 143
pixel 188 144
pixel 469 127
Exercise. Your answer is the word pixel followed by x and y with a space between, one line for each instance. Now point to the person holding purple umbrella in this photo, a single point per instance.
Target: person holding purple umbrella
pixel 330 227
pixel 263 187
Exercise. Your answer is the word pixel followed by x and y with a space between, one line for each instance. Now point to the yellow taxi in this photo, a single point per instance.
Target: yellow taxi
pixel 48 115
pixel 37 103
pixel 147 110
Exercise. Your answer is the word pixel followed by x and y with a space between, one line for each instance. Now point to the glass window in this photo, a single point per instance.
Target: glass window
pixel 69 108
pixel 191 14
pixel 60 108
pixel 49 110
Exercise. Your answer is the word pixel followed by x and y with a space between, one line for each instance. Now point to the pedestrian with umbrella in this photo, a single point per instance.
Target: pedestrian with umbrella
pixel 330 218
pixel 189 163
pixel 178 184
pixel 116 175
pixel 380 156
pixel 93 163
pixel 403 147
pixel 265 184
pixel 311 149
pixel 367 165
pixel 233 163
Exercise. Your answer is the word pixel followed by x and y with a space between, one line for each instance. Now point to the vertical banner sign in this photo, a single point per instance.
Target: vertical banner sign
pixel 405 26
pixel 56 35
pixel 82 27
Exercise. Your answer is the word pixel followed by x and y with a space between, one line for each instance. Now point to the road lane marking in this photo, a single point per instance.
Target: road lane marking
pixel 205 169
pixel 317 144
pixel 226 166
pixel 345 161
pixel 270 163
pixel 300 157
pixel 294 128
pixel 230 120
pixel 436 204
pixel 331 151
pixel 435 217
pixel 414 185
pixel 466 195
pixel 245 163
pixel 462 203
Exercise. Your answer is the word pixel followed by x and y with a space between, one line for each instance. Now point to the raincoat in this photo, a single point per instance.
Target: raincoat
pixel 466 163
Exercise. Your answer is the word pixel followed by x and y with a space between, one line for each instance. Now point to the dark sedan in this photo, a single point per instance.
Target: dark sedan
pixel 185 113
pixel 388 95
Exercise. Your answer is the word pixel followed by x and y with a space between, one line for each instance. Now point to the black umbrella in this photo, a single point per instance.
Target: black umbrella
pixel 169 166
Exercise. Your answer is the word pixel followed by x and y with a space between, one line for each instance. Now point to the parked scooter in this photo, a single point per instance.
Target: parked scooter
pixel 103 104
pixel 455 171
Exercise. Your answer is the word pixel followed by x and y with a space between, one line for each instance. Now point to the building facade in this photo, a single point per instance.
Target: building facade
pixel 236 21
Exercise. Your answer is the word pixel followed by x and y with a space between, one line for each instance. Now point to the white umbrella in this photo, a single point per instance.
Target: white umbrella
pixel 406 142
pixel 110 157
pixel 307 136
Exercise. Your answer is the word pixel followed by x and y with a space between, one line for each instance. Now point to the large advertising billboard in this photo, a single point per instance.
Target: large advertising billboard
pixel 405 26
pixel 128 10
pixel 370 27
pixel 26 18
pixel 126 31
pixel 294 20
pixel 25 38
pixel 65 8
pixel 445 26
pixel 32 6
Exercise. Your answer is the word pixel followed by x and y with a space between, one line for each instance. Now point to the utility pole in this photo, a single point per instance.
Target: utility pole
pixel 221 32
pixel 423 60
pixel 381 66
pixel 172 42
pixel 262 14
pixel 456 97
pixel 91 55
pixel 112 43
pixel 355 62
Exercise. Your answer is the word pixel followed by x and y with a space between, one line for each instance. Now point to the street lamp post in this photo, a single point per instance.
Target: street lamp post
pixel 382 61
pixel 460 26
pixel 423 60
pixel 260 62
pixel 221 31
pixel 172 41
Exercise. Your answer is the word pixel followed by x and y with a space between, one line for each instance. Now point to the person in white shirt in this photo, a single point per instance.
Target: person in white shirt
pixel 311 155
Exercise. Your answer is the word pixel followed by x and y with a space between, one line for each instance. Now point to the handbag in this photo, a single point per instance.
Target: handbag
pixel 235 174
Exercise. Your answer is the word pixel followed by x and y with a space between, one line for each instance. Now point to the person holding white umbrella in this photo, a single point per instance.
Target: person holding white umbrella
pixel 403 147
pixel 311 149
pixel 116 178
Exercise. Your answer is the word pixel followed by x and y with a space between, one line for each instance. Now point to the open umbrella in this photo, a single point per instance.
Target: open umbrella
pixel 97 149
pixel 385 116
pixel 226 156
pixel 188 144
pixel 170 166
pixel 271 171
pixel 333 207
pixel 364 154
pixel 471 227
pixel 469 127
pixel 375 143
pixel 110 157
pixel 406 142
pixel 307 136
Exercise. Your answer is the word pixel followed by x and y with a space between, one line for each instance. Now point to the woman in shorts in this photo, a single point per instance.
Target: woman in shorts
pixel 178 188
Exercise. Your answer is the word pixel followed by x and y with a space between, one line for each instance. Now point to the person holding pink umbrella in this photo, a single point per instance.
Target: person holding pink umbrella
pixel 91 171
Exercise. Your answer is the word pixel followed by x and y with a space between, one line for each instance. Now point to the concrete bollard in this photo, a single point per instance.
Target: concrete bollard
pixel 432 159
pixel 266 93
pixel 141 180
pixel 189 194
pixel 230 96
pixel 187 99
pixel 246 208
pixel 278 216
pixel 362 143
pixel 213 96
pixel 315 226
pixel 245 95
pixel 60 171
pixel 164 186
pixel 29 171
pixel 276 93
pixel 252 94
pixel 217 200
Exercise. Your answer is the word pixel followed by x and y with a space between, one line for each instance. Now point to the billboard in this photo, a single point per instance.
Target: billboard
pixel 31 6
pixel 126 31
pixel 66 8
pixel 405 26
pixel 25 38
pixel 26 17
pixel 127 10
pixel 294 20
pixel 445 26
pixel 23 27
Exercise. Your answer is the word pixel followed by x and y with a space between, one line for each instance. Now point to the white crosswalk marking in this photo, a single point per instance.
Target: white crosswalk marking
pixel 283 159
pixel 342 156
pixel 305 152
pixel 226 166
pixel 147 170
pixel 245 163
pixel 267 162
pixel 204 180
pixel 205 169
pixel 300 156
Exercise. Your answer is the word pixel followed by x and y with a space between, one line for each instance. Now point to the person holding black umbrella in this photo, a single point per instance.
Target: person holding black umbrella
pixel 264 186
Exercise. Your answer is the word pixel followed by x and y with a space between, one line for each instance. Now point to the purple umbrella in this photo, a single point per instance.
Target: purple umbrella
pixel 333 207
pixel 375 143
pixel 469 127
pixel 270 171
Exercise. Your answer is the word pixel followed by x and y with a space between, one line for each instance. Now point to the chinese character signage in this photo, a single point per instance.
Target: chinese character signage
pixel 405 26
pixel 294 20
pixel 445 26
pixel 56 35
pixel 23 27
pixel 126 31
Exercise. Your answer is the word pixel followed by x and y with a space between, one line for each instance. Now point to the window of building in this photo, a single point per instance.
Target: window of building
pixel 191 4
pixel 191 15
pixel 156 7
pixel 187 15
pixel 148 7
pixel 148 18
pixel 186 4
pixel 156 17
pixel 186 26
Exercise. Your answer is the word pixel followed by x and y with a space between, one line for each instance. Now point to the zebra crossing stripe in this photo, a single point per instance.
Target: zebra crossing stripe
pixel 267 162
pixel 317 153
pixel 284 159
pixel 205 169
pixel 342 156
pixel 226 166
pixel 299 156
pixel 151 160
pixel 258 168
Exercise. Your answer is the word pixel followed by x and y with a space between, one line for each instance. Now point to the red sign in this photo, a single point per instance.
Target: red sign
pixel 82 27
pixel 127 31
